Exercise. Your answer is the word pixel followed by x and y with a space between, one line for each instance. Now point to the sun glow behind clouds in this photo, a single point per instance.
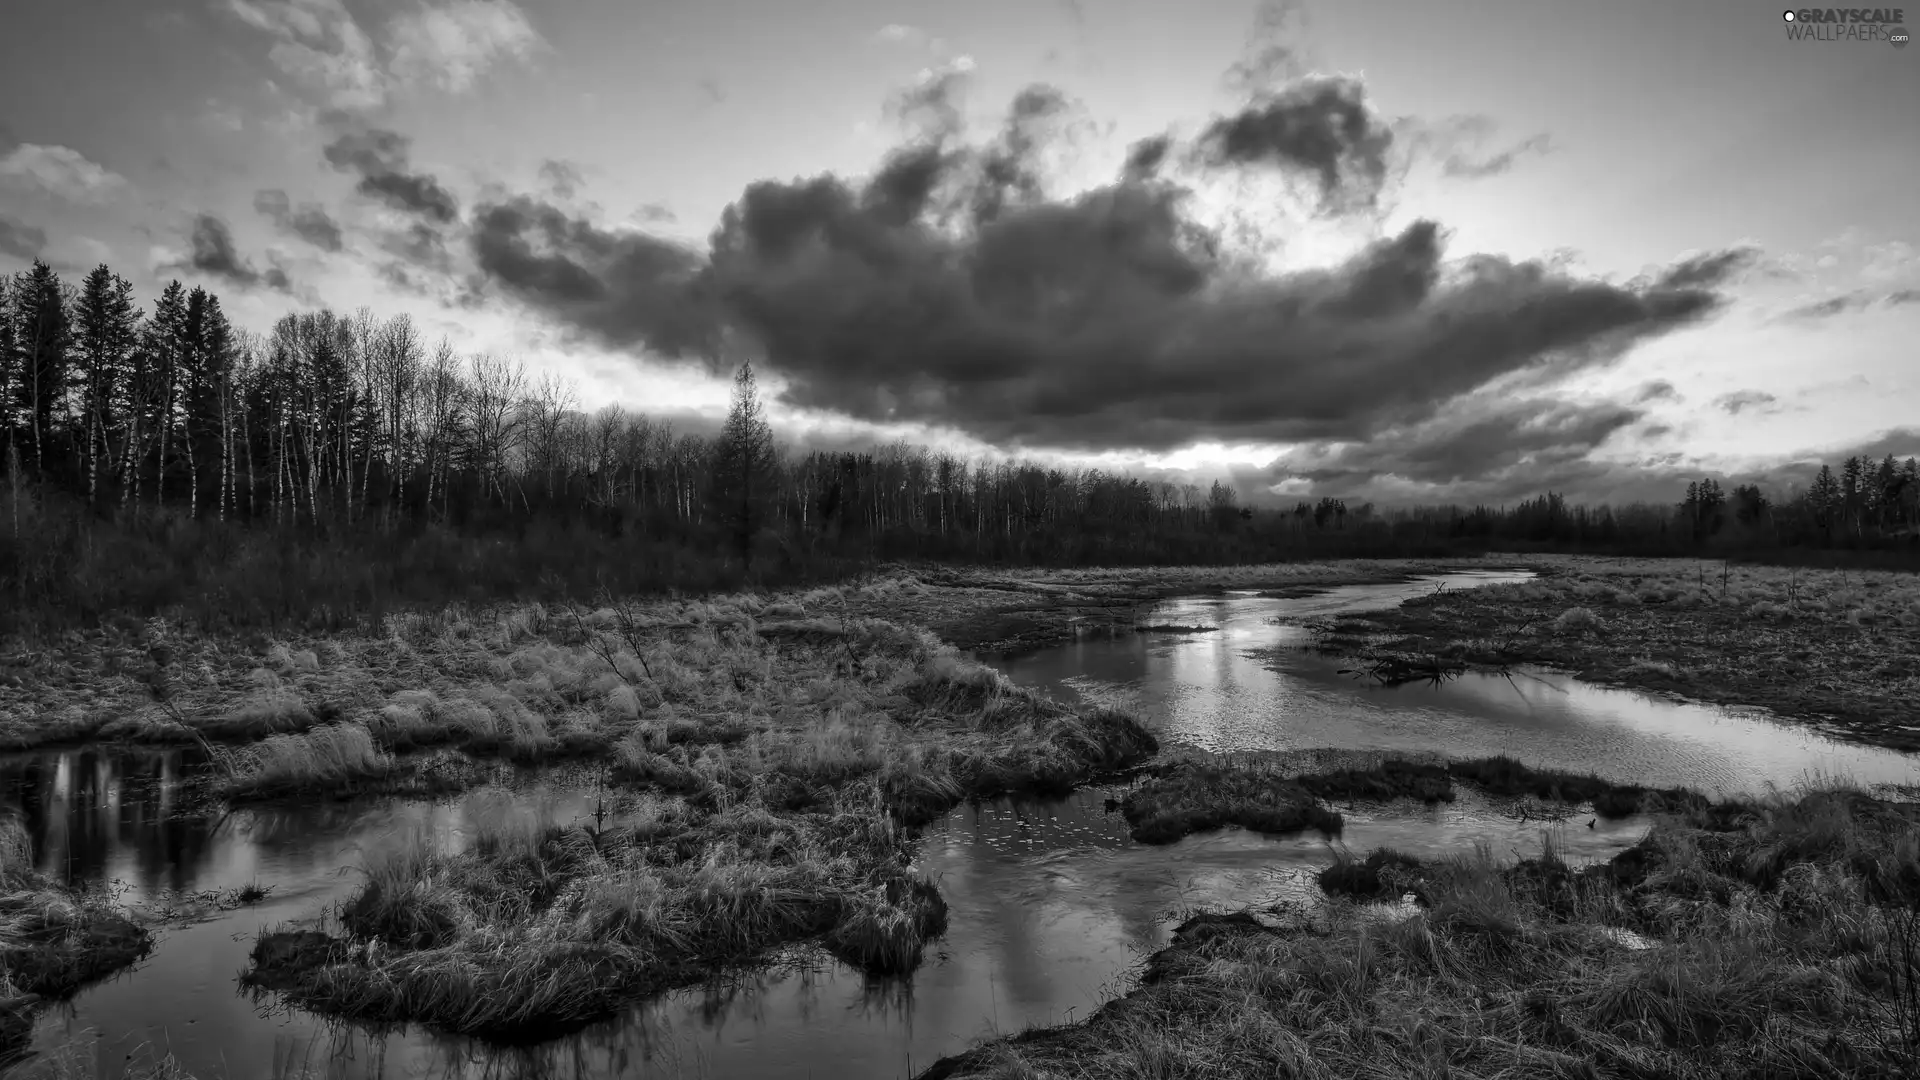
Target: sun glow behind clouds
pixel 1202 455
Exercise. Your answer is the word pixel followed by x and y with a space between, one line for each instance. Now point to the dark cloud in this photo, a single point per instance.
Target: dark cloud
pixel 1657 390
pixel 626 288
pixel 1010 170
pixel 1145 157
pixel 562 178
pixel 21 240
pixel 1321 125
pixel 215 255
pixel 1741 400
pixel 1849 302
pixel 951 288
pixel 1476 441
pixel 1709 269
pixel 381 158
pixel 1828 308
pixel 421 245
pixel 309 221
pixel 1106 320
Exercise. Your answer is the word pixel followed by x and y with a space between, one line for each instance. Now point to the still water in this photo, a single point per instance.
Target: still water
pixel 1051 905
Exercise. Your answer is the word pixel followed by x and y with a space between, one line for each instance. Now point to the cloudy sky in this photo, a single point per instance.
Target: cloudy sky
pixel 1395 249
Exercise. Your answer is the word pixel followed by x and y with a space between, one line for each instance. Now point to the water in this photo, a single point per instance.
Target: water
pixel 1051 905
pixel 1248 686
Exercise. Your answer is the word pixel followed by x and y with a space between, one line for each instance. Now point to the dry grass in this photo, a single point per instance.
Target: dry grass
pixel 768 774
pixel 536 926
pixel 1819 644
pixel 1190 797
pixel 1768 939
pixel 532 682
pixel 331 759
pixel 53 941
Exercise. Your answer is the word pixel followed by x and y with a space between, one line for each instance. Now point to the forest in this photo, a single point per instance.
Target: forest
pixel 160 460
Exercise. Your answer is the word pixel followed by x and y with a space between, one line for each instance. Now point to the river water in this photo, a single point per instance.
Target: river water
pixel 1052 906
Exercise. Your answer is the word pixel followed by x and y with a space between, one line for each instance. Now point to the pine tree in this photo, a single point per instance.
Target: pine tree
pixel 1886 493
pixel 9 367
pixel 1852 491
pixel 163 343
pixel 743 474
pixel 1824 500
pixel 43 342
pixel 205 355
pixel 106 333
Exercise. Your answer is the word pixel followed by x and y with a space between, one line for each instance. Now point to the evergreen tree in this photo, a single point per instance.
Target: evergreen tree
pixel 1886 493
pixel 43 340
pixel 106 334
pixel 744 464
pixel 1852 492
pixel 9 368
pixel 163 343
pixel 1824 500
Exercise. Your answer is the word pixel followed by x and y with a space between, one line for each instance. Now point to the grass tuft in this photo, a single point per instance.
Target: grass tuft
pixel 1190 797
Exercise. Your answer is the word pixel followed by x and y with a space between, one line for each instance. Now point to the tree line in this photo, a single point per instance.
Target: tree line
pixel 158 456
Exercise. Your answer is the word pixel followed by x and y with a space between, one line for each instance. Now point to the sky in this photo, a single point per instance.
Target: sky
pixel 1400 250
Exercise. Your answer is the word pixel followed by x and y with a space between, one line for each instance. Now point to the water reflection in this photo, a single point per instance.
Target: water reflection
pixel 1052 909
pixel 1249 687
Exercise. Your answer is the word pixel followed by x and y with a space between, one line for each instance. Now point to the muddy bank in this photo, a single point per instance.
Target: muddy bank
pixel 1839 649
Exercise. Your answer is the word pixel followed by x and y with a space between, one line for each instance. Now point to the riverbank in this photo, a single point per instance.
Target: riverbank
pixel 1766 938
pixel 1839 648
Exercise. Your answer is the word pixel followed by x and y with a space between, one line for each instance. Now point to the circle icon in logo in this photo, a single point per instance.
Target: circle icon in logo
pixel 1898 35
pixel 1789 16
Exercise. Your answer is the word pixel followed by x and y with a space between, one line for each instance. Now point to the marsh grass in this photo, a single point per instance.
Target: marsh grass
pixel 1190 797
pixel 333 759
pixel 53 941
pixel 536 926
pixel 1792 963
pixel 771 772
pixel 1837 646
pixel 1282 796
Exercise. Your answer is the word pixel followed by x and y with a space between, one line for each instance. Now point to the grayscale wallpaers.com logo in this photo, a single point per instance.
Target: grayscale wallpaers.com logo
pixel 1848 24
